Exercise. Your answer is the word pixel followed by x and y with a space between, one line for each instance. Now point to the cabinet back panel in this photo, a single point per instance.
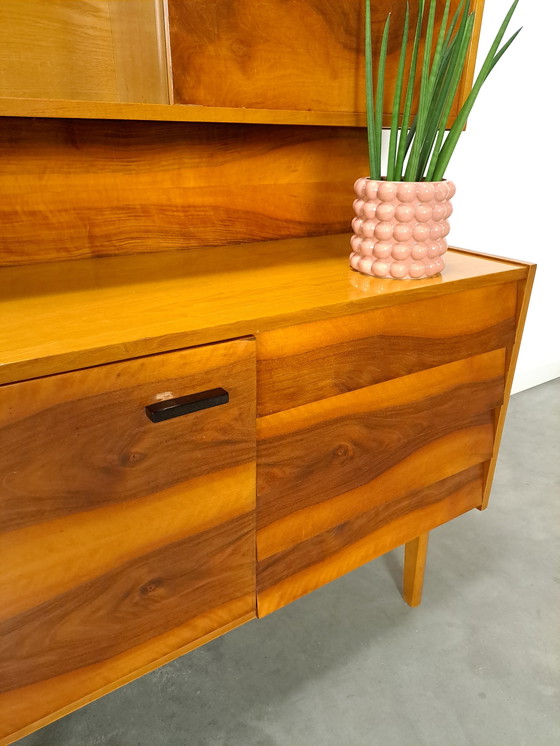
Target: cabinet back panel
pixel 75 188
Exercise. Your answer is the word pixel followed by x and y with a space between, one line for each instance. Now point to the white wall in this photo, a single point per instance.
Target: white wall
pixel 507 171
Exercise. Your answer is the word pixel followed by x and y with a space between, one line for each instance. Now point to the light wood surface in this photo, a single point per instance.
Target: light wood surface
pixel 415 552
pixel 140 50
pixel 248 54
pixel 123 541
pixel 68 315
pixel 36 107
pixel 78 189
pixel 302 364
pixel 93 50
pixel 309 456
pixel 524 289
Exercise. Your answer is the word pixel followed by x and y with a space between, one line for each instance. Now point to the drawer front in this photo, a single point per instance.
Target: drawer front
pixel 306 363
pixel 344 480
pixel 124 541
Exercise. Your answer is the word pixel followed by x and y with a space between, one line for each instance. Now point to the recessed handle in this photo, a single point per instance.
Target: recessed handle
pixel 166 410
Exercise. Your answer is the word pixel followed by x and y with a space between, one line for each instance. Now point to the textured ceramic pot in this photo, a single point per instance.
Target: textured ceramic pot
pixel 400 227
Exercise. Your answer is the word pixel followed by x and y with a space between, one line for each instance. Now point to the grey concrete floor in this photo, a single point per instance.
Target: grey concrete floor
pixel 351 665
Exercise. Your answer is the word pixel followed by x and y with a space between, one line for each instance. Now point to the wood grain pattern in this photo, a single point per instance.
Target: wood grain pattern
pixel 95 50
pixel 312 453
pixel 312 551
pixel 67 315
pixel 249 54
pixel 309 362
pixel 82 440
pixel 308 566
pixel 136 601
pixel 95 681
pixel 428 464
pixel 345 466
pixel 75 189
pixel 415 552
pixel 124 541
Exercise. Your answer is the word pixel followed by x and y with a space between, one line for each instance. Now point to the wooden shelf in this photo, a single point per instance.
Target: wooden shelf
pixel 35 107
pixel 61 316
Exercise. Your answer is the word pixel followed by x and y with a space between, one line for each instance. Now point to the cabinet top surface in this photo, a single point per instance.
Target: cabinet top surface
pixel 67 315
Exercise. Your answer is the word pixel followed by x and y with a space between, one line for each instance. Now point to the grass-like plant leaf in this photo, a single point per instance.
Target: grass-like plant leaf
pixel 448 77
pixel 488 64
pixel 379 89
pixel 401 150
pixel 370 111
pixel 445 85
pixel 423 100
pixel 464 39
pixel 393 139
pixel 422 144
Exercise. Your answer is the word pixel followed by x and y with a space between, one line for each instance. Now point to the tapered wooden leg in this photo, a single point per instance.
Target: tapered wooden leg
pixel 414 564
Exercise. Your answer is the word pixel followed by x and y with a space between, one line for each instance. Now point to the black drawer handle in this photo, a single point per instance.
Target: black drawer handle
pixel 166 410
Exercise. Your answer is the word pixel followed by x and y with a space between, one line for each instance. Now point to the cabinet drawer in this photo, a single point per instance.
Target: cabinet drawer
pixel 124 541
pixel 345 479
pixel 313 361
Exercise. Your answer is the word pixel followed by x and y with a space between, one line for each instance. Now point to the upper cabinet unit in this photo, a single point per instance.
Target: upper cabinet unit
pixel 266 61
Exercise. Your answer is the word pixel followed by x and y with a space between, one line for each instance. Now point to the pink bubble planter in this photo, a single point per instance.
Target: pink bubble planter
pixel 400 227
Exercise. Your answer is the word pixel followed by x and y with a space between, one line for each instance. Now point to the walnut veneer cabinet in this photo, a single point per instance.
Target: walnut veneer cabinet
pixel 193 439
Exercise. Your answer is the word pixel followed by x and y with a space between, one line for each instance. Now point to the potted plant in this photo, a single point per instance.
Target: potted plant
pixel 401 219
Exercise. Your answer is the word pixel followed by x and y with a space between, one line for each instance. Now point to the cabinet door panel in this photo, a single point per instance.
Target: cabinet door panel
pixel 305 363
pixel 273 54
pixel 349 476
pixel 124 542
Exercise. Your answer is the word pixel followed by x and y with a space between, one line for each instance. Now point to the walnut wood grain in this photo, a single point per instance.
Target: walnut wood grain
pixel 332 472
pixel 62 316
pixel 83 439
pixel 429 464
pixel 309 362
pixel 125 541
pixel 99 50
pixel 74 189
pixel 248 54
pixel 307 566
pixel 133 603
pixel 94 679
pixel 312 453
pixel 312 551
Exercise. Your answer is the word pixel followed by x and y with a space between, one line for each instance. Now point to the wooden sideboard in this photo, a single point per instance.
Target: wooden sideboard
pixel 355 415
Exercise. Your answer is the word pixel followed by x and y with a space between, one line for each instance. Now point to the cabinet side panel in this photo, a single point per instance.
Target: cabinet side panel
pixel 524 288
